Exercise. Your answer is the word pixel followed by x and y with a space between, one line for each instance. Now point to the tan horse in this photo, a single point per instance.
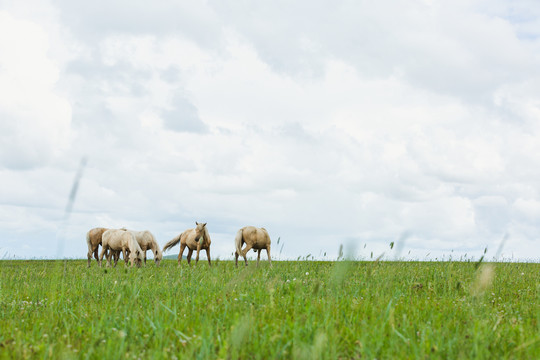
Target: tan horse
pixel 121 240
pixel 93 240
pixel 147 241
pixel 194 239
pixel 254 238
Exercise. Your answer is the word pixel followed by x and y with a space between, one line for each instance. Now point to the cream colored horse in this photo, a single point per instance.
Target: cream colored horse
pixel 121 240
pixel 254 238
pixel 147 241
pixel 93 240
pixel 194 239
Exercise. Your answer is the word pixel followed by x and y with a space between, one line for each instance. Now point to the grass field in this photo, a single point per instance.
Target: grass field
pixel 296 309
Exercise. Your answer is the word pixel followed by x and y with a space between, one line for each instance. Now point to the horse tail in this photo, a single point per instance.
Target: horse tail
pixel 238 241
pixel 171 243
pixel 88 242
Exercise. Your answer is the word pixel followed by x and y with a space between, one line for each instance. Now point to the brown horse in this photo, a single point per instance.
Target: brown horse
pixel 194 239
pixel 93 240
pixel 121 240
pixel 254 238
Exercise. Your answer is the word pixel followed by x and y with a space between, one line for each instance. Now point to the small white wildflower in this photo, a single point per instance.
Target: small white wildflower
pixel 307 273
pixel 288 280
pixel 294 279
pixel 522 273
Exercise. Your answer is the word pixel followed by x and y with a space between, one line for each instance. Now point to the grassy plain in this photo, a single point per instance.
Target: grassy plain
pixel 295 309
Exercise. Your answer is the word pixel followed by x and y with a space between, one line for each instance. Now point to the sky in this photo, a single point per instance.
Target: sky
pixel 329 123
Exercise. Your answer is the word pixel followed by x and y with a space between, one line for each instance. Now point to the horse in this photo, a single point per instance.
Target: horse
pixel 194 239
pixel 121 240
pixel 254 238
pixel 93 240
pixel 147 241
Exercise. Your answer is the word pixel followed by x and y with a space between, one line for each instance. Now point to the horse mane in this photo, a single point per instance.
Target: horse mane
pixel 206 235
pixel 155 246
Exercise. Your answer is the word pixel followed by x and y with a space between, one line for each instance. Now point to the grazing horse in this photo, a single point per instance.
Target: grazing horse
pixel 254 238
pixel 93 240
pixel 121 240
pixel 147 241
pixel 194 239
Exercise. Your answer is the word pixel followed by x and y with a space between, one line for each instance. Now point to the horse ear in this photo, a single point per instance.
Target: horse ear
pixel 196 223
pixel 204 224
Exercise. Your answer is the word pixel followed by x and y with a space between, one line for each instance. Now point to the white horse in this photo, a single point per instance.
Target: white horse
pixel 121 240
pixel 147 241
pixel 254 238
pixel 93 240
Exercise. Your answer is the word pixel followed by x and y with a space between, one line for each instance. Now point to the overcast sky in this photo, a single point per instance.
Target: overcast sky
pixel 326 122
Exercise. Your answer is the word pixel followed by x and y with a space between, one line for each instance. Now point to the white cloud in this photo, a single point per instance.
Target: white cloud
pixel 35 120
pixel 327 123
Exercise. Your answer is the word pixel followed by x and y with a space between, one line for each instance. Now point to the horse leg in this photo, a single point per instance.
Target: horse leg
pixel 109 255
pixel 236 257
pixel 89 257
pixel 125 254
pixel 144 251
pixel 190 252
pixel 198 251
pixel 181 253
pixel 245 251
pixel 116 256
pixel 268 253
pixel 208 256
pixel 103 249
pixel 258 257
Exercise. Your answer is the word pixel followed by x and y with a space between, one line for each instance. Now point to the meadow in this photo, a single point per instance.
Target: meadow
pixel 294 309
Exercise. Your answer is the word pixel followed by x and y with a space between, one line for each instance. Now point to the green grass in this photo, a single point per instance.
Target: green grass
pixel 297 309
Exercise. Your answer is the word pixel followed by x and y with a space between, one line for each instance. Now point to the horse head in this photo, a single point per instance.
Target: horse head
pixel 136 258
pixel 158 255
pixel 200 231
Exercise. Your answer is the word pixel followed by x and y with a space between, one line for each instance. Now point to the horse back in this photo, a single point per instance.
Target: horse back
pixel 94 236
pixel 257 237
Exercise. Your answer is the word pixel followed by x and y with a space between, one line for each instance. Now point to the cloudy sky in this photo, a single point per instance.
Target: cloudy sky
pixel 327 122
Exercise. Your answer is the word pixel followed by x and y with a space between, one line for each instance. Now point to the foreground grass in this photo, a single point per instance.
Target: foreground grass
pixel 305 309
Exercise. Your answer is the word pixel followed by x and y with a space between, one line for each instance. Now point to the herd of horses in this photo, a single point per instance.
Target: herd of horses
pixel 133 245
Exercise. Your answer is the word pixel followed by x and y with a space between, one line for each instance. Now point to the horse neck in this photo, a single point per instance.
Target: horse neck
pixel 134 243
pixel 206 237
pixel 154 246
